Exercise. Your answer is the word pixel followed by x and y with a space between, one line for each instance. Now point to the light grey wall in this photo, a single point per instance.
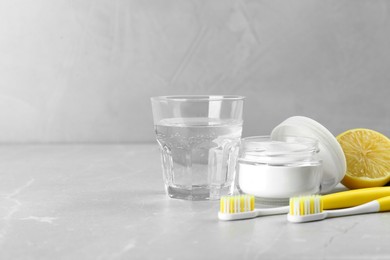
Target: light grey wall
pixel 84 70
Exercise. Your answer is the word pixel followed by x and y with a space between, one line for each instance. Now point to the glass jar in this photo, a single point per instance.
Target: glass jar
pixel 275 170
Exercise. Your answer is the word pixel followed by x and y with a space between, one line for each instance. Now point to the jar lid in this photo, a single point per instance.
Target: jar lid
pixel 331 153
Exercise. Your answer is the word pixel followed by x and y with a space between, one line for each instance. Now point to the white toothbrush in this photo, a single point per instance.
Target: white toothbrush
pixel 243 207
pixel 310 208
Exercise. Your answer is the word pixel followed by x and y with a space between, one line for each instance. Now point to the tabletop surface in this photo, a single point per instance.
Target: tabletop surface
pixel 108 202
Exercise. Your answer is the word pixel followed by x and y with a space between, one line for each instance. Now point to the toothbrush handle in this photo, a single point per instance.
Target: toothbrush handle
pixel 352 198
pixel 369 207
pixel 272 211
pixel 379 205
pixel 384 203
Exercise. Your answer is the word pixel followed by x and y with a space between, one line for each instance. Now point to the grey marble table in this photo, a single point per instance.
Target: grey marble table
pixel 108 202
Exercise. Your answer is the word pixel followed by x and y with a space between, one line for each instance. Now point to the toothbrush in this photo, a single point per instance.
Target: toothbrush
pixel 242 206
pixel 310 208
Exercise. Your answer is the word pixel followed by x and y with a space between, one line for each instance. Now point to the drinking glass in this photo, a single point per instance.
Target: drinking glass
pixel 199 139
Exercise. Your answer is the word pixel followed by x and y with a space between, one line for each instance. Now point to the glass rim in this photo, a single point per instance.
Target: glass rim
pixel 259 141
pixel 258 149
pixel 181 98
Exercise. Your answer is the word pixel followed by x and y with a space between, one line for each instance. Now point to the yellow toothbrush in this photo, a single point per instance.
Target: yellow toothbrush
pixel 310 208
pixel 242 206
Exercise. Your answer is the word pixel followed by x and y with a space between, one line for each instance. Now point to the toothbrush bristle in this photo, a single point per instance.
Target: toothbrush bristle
pixel 306 205
pixel 237 204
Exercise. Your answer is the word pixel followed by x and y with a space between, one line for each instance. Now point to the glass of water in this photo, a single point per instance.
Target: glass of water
pixel 199 139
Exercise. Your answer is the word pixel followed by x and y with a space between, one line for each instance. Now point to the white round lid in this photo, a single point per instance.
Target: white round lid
pixel 331 153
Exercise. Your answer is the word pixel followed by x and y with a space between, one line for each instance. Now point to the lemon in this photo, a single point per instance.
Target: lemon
pixel 368 158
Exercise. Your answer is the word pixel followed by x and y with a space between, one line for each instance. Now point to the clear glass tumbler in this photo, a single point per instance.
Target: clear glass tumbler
pixel 199 140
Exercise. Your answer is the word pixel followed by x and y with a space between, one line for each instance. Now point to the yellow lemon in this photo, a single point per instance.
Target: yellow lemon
pixel 368 158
